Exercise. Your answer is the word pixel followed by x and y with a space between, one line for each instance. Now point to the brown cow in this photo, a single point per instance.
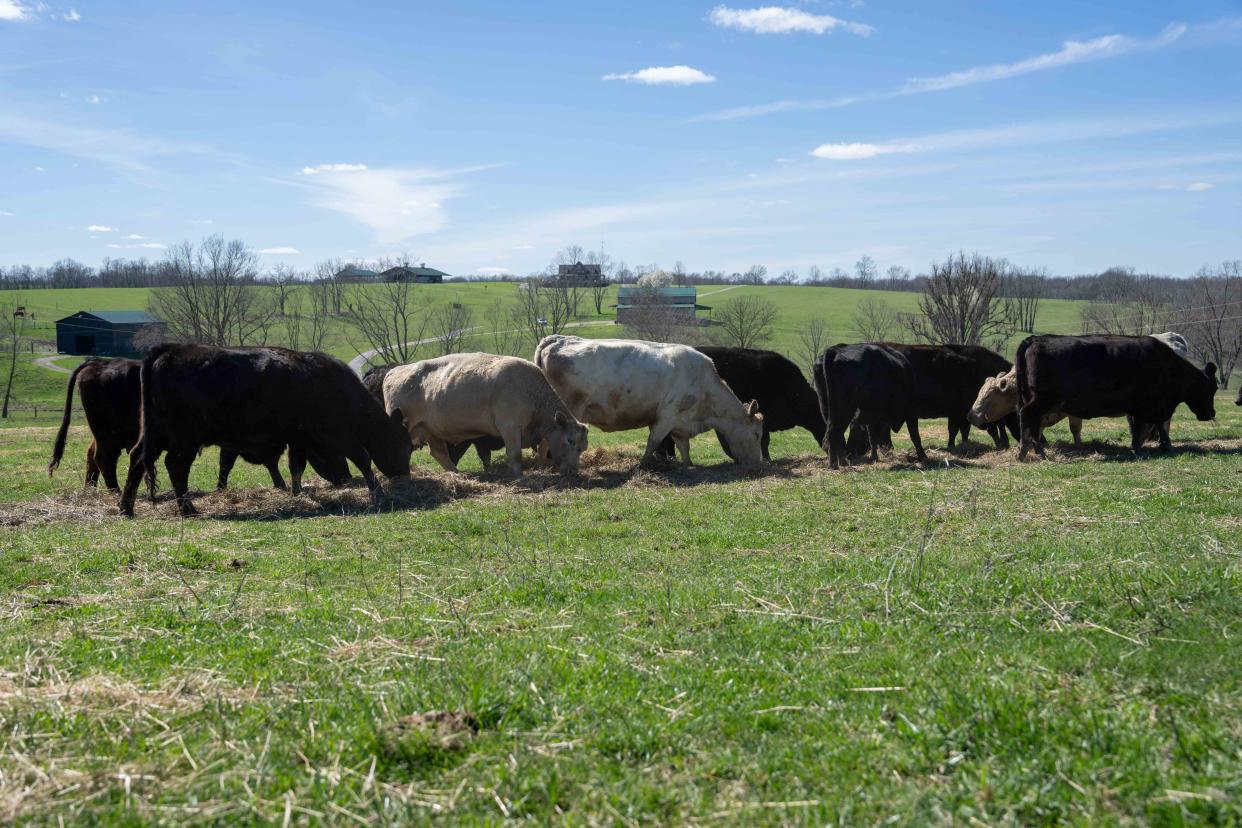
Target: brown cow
pixel 998 398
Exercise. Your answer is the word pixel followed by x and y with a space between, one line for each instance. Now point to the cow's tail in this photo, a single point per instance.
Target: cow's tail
pixel 58 448
pixel 142 450
pixel 1019 363
pixel 541 353
pixel 822 373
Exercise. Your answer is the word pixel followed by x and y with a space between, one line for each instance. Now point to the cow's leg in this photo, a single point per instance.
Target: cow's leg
pixel 871 432
pixel 659 430
pixel 106 458
pixel 667 448
pixel 763 444
pixel 440 452
pixel 1075 427
pixel 273 468
pixel 457 451
pixel 227 458
pixel 954 428
pixel 513 449
pixel 297 466
pixel 1165 443
pixel 999 438
pixel 138 469
pixel 178 462
pixel 1030 422
pixel 683 449
pixel 912 427
pixel 834 444
pixel 92 464
pixel 485 455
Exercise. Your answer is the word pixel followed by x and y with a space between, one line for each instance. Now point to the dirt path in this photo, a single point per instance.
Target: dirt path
pixel 49 362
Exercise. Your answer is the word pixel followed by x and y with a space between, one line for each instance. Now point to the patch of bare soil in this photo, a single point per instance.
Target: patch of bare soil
pixel 437 729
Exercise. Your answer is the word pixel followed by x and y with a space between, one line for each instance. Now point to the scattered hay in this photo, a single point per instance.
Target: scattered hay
pixel 444 730
pixel 106 694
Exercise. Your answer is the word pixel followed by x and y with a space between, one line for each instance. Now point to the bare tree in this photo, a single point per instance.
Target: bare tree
pixel 747 321
pixel 1134 308
pixel 874 320
pixel 599 293
pixel 13 322
pixel 789 276
pixel 960 304
pixel 1211 318
pixel 754 275
pixel 320 292
pixel 1023 292
pixel 213 298
pixel 284 280
pixel 505 328
pixel 650 317
pixel 678 273
pixel 866 270
pixel 542 310
pixel 451 325
pixel 812 341
pixel 293 321
pixel 326 272
pixel 393 319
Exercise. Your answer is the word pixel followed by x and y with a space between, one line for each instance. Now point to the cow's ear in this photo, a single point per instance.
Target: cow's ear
pixel 1210 370
pixel 1003 385
pixel 560 419
pixel 1001 375
pixel 752 408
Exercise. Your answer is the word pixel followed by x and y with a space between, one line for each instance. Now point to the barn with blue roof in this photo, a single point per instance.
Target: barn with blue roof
pixel 103 333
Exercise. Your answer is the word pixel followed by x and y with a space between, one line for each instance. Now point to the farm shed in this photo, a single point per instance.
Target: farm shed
pixel 421 274
pixel 356 274
pixel 107 333
pixel 679 301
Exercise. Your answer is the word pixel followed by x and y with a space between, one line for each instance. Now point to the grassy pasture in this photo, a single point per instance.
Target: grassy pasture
pixel 975 642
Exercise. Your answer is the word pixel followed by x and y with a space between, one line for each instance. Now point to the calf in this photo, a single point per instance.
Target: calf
pixel 461 397
pixel 110 394
pixel 784 396
pixel 255 401
pixel 998 399
pixel 373 379
pixel 871 383
pixel 1108 376
pixel 672 390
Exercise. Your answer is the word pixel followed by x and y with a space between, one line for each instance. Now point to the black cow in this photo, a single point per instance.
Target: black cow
pixel 1238 401
pixel 373 379
pixel 110 394
pixel 784 396
pixel 872 383
pixel 947 379
pixel 1108 376
pixel 256 401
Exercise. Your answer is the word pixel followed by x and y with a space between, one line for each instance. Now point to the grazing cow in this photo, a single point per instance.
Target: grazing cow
pixel 461 397
pixel 110 393
pixel 673 390
pixel 946 379
pixel 871 383
pixel 784 396
pixel 255 401
pixel 1238 401
pixel 998 399
pixel 1108 376
pixel 373 379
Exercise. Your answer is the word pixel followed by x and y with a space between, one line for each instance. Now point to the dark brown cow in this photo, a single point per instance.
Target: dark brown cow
pixel 110 394
pixel 871 383
pixel 256 401
pixel 1108 376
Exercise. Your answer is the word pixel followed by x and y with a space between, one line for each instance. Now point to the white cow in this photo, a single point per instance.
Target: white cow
pixel 619 384
pixel 462 397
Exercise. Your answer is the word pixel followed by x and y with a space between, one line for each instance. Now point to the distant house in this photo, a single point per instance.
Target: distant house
pixel 103 333
pixel 356 274
pixel 579 274
pixel 421 274
pixel 678 301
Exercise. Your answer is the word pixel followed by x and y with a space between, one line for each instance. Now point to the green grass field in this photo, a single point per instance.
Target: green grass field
pixel 974 642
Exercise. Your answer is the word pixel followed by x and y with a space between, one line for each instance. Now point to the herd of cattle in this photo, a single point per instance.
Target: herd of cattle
pixel 257 403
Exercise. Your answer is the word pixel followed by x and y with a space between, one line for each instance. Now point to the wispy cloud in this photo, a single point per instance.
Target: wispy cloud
pixel 95 99
pixel 1025 134
pixel 280 251
pixel 1070 53
pixel 5 214
pixel 117 147
pixel 13 10
pixel 664 76
pixel 143 246
pixel 778 20
pixel 101 228
pixel 1196 187
pixel 72 16
pixel 135 237
pixel 396 203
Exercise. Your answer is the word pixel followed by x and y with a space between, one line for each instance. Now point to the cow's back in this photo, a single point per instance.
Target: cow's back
pixel 785 397
pixel 110 392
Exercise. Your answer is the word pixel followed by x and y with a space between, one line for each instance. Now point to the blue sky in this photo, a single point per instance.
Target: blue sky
pixel 481 135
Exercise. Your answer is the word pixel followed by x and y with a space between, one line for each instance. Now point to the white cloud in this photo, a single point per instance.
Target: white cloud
pixel 323 168
pixel 280 251
pixel 95 99
pixel 13 10
pixel 135 237
pixel 856 152
pixel 1071 52
pixel 143 246
pixel 39 169
pixel 396 203
pixel 203 222
pixel 777 20
pixel 112 146
pixel 101 228
pixel 73 16
pixel 664 75
pixel 524 246
pixel 5 213
pixel 493 271
pixel 1199 187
